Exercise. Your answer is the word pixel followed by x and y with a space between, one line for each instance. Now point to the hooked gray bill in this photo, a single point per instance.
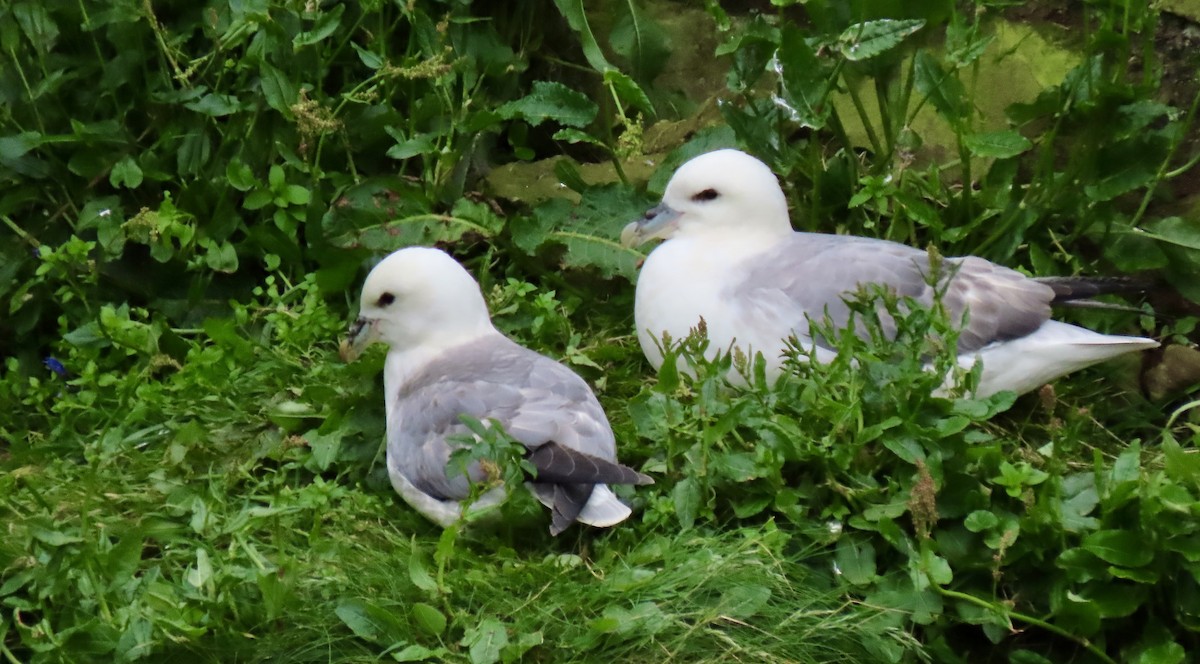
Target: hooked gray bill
pixel 360 335
pixel 659 221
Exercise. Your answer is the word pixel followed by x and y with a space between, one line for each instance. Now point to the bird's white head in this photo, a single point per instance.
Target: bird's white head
pixel 722 190
pixel 417 297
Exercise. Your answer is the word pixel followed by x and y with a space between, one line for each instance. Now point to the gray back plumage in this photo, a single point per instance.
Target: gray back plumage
pixel 534 398
pixel 811 274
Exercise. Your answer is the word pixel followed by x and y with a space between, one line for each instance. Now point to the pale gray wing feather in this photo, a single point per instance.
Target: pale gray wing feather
pixel 535 399
pixel 811 274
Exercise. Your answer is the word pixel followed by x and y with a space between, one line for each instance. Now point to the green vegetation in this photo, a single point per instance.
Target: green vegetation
pixel 190 197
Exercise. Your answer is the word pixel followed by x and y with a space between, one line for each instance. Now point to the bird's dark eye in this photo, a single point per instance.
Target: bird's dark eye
pixel 385 299
pixel 706 195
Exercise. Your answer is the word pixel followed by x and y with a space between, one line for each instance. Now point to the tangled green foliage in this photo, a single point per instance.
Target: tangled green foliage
pixel 190 196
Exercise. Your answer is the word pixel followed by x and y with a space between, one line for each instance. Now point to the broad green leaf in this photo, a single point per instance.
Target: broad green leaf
pixel 37 24
pixel 997 144
pixel 855 558
pixel 418 574
pixel 372 60
pixel 515 650
pixel 628 91
pixel 863 41
pixel 126 173
pixel 573 11
pixel 571 135
pixel 641 40
pixel 429 618
pixel 1079 498
pixel 202 573
pixel 965 44
pixel 686 496
pixel 294 194
pixel 743 602
pixel 194 153
pixel 279 91
pixel 324 447
pixel 258 199
pixel 980 520
pixel 1119 547
pixel 407 148
pixel 552 101
pixel 371 622
pixel 324 26
pixel 1114 599
pixel 941 88
pixel 221 257
pixel 239 175
pixel 806 80
pixel 1163 653
pixel 418 653
pixel 1176 231
pixel 935 567
pixel 485 641
pixel 214 105
pixel 54 537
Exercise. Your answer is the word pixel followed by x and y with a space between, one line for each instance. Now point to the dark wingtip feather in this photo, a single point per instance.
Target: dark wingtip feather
pixel 569 501
pixel 559 464
pixel 1067 289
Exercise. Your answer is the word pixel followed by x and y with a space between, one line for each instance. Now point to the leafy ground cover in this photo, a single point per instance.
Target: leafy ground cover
pixel 191 195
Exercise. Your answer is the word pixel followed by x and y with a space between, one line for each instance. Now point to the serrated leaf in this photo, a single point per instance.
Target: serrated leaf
pixel 588 231
pixel 997 144
pixel 805 80
pixel 942 89
pixel 551 101
pixel 863 41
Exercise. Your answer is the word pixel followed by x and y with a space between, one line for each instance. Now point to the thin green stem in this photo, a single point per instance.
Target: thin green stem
pixel 1163 173
pixel 856 99
pixel 20 231
pixel 1037 622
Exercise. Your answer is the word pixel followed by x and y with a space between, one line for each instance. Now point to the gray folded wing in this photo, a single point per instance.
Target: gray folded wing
pixel 811 274
pixel 539 402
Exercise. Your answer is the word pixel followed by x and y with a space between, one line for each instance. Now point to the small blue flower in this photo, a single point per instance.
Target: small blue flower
pixel 56 366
